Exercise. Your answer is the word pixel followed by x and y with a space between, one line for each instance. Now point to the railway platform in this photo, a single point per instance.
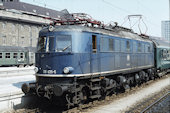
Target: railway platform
pixel 10 85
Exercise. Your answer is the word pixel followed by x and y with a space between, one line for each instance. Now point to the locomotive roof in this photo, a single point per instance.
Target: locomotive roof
pixel 11 49
pixel 114 32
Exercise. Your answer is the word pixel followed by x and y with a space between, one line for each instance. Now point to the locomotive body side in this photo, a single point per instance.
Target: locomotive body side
pixel 77 63
pixel 91 53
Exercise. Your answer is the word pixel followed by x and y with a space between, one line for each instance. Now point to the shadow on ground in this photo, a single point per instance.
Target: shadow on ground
pixel 33 103
pixel 19 84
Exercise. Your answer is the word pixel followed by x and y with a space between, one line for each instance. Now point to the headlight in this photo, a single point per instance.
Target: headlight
pixel 36 69
pixel 51 28
pixel 68 70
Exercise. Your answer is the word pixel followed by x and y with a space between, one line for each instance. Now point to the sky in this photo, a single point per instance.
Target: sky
pixel 152 11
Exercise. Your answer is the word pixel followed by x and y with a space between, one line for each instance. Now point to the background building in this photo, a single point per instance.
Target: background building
pixel 20 22
pixel 166 30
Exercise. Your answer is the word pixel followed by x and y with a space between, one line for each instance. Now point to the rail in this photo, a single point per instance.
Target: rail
pixel 154 103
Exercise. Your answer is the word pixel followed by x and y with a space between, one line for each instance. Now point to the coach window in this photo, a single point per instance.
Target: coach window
pixel 94 43
pixel 169 54
pixel 7 55
pixel 15 55
pixel 139 47
pixel 0 55
pixel 128 46
pixel 21 55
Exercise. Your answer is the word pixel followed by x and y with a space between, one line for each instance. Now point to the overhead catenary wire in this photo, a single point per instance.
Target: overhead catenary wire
pixel 148 10
pixel 126 11
pixel 144 7
pixel 129 12
pixel 114 6
pixel 127 18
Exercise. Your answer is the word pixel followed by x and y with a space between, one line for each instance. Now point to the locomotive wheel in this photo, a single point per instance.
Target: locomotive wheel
pixel 39 91
pixel 69 99
pixel 85 96
pixel 146 77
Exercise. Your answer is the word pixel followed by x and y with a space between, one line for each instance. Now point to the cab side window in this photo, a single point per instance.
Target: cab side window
pixel 139 47
pixel 94 43
pixel 134 47
pixel 127 46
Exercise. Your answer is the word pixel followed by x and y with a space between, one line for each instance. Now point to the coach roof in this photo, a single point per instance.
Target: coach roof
pixel 11 49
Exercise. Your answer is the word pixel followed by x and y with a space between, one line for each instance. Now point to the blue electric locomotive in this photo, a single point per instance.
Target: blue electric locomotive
pixel 77 62
pixel 70 51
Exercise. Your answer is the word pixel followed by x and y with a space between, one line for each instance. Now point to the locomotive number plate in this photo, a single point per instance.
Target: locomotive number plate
pixel 49 71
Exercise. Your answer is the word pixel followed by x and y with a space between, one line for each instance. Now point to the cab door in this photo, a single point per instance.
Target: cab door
pixel 95 55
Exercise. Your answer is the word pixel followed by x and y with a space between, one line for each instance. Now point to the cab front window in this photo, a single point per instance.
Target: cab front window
pixel 41 44
pixel 59 43
pixel 63 43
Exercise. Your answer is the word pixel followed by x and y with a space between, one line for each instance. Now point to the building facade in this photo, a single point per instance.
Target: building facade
pixel 20 22
pixel 19 29
pixel 166 30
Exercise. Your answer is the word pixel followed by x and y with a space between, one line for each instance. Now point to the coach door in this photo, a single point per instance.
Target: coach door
pixel 95 55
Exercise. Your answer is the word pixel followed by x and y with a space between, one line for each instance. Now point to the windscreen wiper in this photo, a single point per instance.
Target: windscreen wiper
pixel 66 47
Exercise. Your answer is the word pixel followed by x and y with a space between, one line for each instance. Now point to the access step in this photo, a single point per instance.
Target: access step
pixel 95 80
pixel 95 96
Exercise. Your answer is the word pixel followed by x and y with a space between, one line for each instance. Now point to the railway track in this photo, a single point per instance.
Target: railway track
pixel 149 105
pixel 151 108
